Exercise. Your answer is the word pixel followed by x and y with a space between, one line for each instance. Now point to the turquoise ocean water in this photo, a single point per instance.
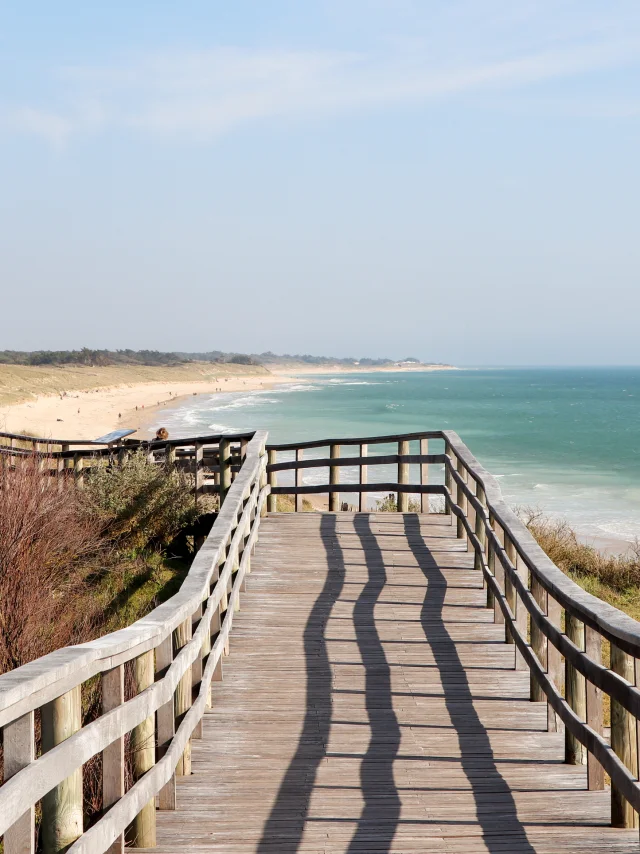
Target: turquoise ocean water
pixel 565 440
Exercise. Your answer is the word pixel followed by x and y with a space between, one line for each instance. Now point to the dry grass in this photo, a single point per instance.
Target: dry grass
pixel 613 578
pixel 287 504
pixel 25 382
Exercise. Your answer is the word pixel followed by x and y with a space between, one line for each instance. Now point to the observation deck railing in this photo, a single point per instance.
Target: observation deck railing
pixel 558 630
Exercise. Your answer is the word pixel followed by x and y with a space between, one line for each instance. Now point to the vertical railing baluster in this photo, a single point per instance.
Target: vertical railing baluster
pixel 18 739
pixel 480 531
pixel 196 670
pixel 299 480
pixel 623 740
pixel 142 830
pixel 198 456
pixel 424 477
pixel 334 479
pixel 500 574
pixel 538 640
pixel 593 647
pixel 403 476
pixel 491 564
pixel 575 691
pixel 272 503
pixel 517 609
pixel 166 722
pixel 461 501
pixel 224 453
pixel 62 806
pixel 78 470
pixel 363 504
pixel 113 755
pixel 183 696
pixel 554 661
pixel 448 480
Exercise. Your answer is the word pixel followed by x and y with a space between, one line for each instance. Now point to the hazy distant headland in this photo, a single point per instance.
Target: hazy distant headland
pixel 26 375
pixel 86 393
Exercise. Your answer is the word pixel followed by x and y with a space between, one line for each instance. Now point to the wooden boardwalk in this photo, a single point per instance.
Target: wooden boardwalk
pixel 370 704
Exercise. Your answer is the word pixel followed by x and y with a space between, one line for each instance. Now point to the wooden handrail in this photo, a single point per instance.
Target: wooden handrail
pixel 523 586
pixel 506 553
pixel 226 551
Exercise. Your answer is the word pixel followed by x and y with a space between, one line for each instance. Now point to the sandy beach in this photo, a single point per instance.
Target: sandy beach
pixel 92 413
pixel 85 403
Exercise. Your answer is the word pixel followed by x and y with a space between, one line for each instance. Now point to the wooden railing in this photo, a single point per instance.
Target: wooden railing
pixel 175 654
pixel 559 633
pixel 213 461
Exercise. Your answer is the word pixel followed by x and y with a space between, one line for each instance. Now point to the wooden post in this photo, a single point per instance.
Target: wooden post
pixel 62 806
pixel 461 501
pixel 448 478
pixel 480 532
pixel 491 563
pixel 595 771
pixel 299 480
pixel 403 477
pixel 363 504
pixel 554 662
pixel 538 641
pixel 141 833
pixel 263 483
pixel 334 478
pixel 272 500
pixel 216 624
pixel 183 697
pixel 78 470
pixel 204 654
pixel 243 449
pixel 19 751
pixel 575 691
pixel 170 455
pixel 198 456
pixel 499 573
pixel 196 670
pixel 113 755
pixel 224 453
pixel 424 477
pixel 166 723
pixel 623 740
pixel 517 608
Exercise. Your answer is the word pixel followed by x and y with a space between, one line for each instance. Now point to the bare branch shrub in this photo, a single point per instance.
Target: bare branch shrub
pixel 48 544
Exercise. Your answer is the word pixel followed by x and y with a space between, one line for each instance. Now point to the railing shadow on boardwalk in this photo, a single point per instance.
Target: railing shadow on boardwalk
pixel 490 789
pixel 284 828
pixel 381 813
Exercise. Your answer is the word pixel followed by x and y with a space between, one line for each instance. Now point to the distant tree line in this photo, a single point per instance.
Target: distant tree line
pixel 93 358
pixel 101 358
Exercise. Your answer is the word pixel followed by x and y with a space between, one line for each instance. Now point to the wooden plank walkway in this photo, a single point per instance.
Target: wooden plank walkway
pixel 370 704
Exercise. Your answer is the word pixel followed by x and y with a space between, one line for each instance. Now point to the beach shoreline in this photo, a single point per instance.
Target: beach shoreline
pixel 140 406
pixel 86 414
pixel 302 370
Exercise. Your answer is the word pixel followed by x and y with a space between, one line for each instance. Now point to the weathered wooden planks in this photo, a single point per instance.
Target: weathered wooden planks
pixel 370 704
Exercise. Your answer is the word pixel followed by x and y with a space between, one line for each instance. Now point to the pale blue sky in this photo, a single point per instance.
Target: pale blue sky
pixel 453 179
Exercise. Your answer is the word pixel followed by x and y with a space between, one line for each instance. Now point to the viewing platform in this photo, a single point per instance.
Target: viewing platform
pixel 339 681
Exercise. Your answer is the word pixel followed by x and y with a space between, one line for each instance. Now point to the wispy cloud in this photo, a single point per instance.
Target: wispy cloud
pixel 206 93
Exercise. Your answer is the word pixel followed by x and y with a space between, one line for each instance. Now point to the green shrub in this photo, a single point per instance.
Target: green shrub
pixel 389 504
pixel 140 502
